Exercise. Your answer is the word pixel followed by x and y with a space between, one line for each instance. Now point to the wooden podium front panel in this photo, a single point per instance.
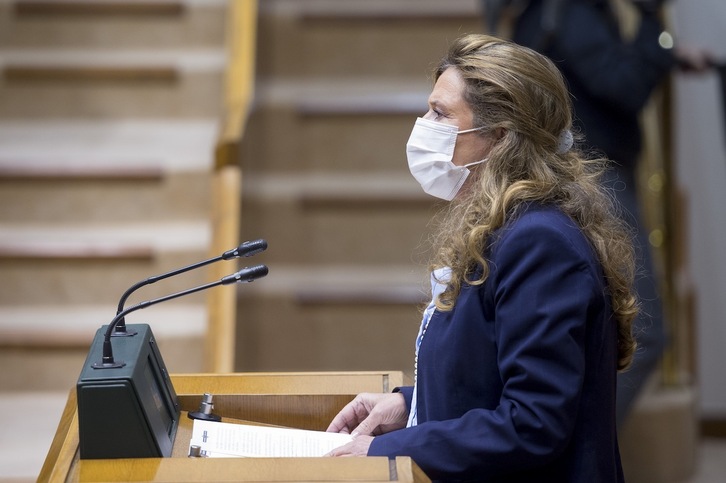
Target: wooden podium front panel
pixel 248 469
pixel 288 382
pixel 296 400
pixel 304 400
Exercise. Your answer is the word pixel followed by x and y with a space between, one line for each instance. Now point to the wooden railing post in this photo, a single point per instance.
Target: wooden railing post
pixel 227 180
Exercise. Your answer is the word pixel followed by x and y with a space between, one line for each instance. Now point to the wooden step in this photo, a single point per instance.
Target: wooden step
pixel 103 83
pixel 18 74
pixel 335 318
pixel 323 39
pixel 33 8
pixel 324 220
pixel 354 127
pixel 380 284
pixel 335 97
pixel 320 189
pixel 182 61
pixel 22 457
pixel 74 251
pixel 373 9
pixel 277 335
pixel 60 326
pixel 342 83
pixel 79 173
pixel 179 236
pixel 47 346
pixel 37 171
pixel 80 264
pixel 112 24
pixel 77 145
pixel 100 196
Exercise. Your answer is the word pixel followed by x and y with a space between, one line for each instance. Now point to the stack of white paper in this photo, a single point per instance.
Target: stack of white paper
pixel 220 440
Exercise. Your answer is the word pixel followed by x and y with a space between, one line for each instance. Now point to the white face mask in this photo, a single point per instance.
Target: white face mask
pixel 430 150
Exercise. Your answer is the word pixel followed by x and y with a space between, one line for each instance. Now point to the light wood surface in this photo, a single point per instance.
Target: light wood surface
pixel 299 400
pixel 250 469
pixel 227 180
pixel 109 7
pixel 239 79
pixel 220 340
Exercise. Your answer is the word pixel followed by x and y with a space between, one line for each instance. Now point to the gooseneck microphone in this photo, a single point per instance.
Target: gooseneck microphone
pixel 247 274
pixel 128 408
pixel 246 249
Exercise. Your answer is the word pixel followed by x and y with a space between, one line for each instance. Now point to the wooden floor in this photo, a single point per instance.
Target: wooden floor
pixel 28 422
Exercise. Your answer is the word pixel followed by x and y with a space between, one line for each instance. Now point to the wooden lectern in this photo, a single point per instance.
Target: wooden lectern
pixel 295 400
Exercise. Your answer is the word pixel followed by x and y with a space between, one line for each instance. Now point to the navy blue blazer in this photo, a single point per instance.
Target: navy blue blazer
pixel 517 383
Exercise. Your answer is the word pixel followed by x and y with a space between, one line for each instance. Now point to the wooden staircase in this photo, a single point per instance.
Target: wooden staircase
pixel 339 86
pixel 107 132
pixel 110 113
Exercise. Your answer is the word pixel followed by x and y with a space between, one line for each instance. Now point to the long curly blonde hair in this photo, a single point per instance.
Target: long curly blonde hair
pixel 521 95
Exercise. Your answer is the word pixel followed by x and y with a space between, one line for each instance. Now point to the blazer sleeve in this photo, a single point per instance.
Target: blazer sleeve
pixel 407 392
pixel 542 287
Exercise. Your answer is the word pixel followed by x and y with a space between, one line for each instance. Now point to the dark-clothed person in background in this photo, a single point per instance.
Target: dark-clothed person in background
pixel 611 79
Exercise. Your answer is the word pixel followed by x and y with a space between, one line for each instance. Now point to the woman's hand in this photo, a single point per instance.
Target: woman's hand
pixel 358 447
pixel 370 415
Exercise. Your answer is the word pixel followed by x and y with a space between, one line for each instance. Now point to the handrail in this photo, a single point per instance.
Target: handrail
pixel 227 179
pixel 239 79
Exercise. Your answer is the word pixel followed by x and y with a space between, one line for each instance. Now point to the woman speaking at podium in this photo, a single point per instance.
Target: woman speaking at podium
pixel 532 298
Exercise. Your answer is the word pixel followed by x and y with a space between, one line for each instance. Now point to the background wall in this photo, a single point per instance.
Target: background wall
pixel 700 167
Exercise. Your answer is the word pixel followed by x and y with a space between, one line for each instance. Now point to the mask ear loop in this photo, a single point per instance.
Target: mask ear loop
pixel 475 163
pixel 470 130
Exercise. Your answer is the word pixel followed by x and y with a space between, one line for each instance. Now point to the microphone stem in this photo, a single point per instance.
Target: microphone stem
pixel 108 350
pixel 121 324
pixel 247 274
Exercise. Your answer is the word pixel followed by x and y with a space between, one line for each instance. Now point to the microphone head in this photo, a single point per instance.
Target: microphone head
pixel 246 249
pixel 247 274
